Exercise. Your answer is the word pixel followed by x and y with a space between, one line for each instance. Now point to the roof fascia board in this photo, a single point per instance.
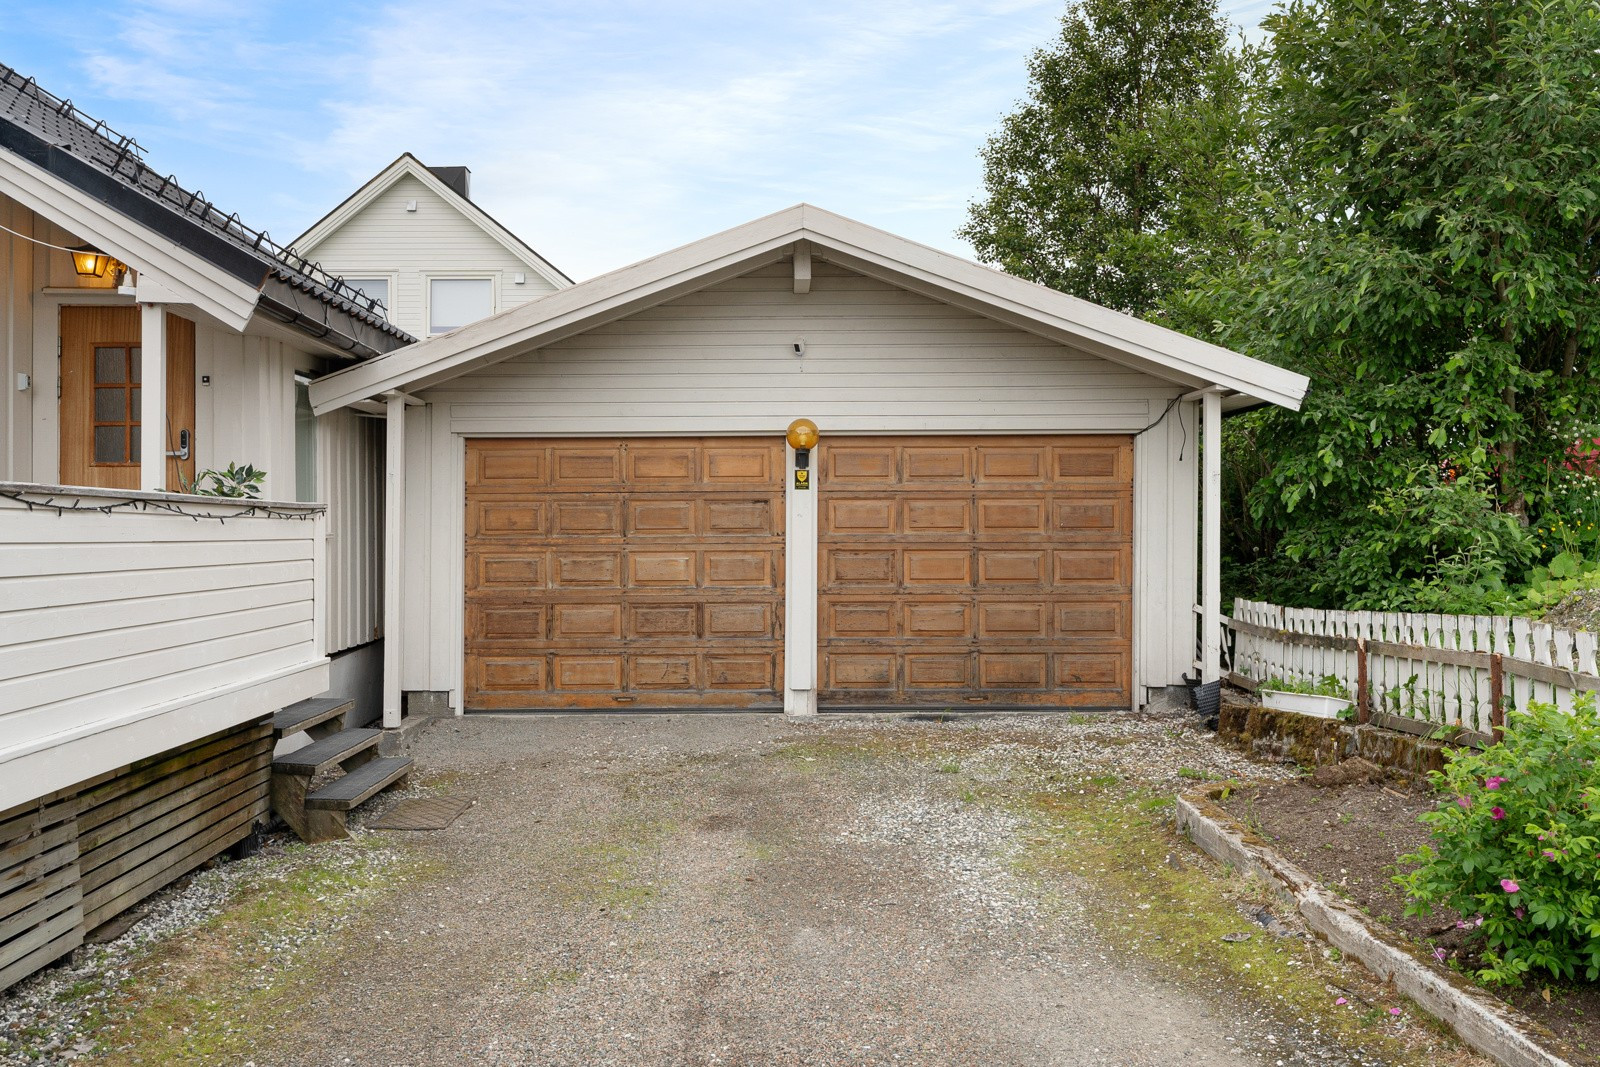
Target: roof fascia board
pixel 409 164
pixel 228 300
pixel 484 343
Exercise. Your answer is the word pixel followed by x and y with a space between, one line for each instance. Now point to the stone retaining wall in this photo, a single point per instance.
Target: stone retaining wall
pixel 1268 734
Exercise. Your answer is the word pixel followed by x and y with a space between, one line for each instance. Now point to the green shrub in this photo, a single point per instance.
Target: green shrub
pixel 1328 686
pixel 1516 846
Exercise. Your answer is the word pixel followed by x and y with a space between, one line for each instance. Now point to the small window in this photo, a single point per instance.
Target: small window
pixel 377 288
pixel 454 302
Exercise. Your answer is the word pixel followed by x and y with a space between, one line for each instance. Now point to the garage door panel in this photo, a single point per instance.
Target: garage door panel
pixel 585 570
pixel 1011 566
pixel 932 465
pixel 936 619
pixel 1106 463
pixel 1090 518
pixel 936 671
pixel 1014 670
pixel 669 518
pixel 663 570
pixel 936 517
pixel 1090 566
pixel 629 573
pixel 740 568
pixel 1014 621
pixel 496 572
pixel 584 466
pixel 739 620
pixel 502 518
pixel 872 464
pixel 749 517
pixel 500 624
pixel 572 622
pixel 863 618
pixel 937 568
pixel 1007 562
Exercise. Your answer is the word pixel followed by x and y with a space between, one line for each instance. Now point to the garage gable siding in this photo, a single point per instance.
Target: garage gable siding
pixel 875 359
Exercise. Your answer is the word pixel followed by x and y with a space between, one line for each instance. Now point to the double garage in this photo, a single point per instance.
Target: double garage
pixel 650 572
pixel 593 506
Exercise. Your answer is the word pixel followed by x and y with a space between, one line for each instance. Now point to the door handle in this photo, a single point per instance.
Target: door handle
pixel 183 446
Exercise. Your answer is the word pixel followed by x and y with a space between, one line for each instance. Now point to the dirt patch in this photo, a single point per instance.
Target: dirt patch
pixel 1351 833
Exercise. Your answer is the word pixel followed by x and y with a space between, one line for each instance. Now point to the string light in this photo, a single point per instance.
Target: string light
pixel 254 510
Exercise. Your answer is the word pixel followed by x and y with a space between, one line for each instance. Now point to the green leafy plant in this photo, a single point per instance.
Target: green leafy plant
pixel 236 481
pixel 1516 846
pixel 1326 686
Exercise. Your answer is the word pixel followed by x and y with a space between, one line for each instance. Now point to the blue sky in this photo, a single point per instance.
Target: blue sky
pixel 600 132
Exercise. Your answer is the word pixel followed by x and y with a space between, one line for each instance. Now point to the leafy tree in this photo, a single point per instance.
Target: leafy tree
pixel 1104 182
pixel 1430 261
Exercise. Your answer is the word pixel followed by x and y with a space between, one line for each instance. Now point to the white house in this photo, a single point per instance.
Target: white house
pixel 1003 509
pixel 413 239
pixel 147 636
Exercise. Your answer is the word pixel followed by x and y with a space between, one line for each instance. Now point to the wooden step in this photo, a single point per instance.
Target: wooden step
pixel 308 713
pixel 322 755
pixel 342 794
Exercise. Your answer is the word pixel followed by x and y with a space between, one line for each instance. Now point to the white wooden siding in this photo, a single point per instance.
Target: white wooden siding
pixel 246 414
pixel 350 478
pixel 878 359
pixel 125 634
pixel 386 240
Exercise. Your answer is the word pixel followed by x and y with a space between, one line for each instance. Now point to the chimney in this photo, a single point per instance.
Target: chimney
pixel 457 178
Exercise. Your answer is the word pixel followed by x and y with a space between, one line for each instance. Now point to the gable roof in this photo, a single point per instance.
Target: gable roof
pixel 1068 320
pixel 410 165
pixel 58 159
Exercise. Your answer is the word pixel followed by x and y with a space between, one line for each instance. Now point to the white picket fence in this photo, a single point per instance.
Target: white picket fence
pixel 1436 668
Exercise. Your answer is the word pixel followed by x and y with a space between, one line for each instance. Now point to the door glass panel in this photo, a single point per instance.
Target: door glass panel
pixel 110 444
pixel 110 365
pixel 111 405
pixel 133 354
pixel 134 440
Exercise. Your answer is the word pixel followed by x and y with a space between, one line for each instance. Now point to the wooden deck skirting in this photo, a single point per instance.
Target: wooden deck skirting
pixel 1482 680
pixel 75 859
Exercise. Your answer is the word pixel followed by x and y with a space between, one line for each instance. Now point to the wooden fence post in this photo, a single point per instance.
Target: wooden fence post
pixel 1497 696
pixel 1363 694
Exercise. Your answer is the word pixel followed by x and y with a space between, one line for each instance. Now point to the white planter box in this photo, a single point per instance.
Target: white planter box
pixel 1320 707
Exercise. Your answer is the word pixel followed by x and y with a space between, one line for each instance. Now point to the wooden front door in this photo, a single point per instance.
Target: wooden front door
pixel 624 573
pixel 992 570
pixel 101 367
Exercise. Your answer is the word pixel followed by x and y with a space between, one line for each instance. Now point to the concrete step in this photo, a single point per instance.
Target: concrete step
pixel 323 755
pixel 308 713
pixel 345 793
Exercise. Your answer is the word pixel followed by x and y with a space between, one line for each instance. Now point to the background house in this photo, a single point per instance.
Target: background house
pixel 414 240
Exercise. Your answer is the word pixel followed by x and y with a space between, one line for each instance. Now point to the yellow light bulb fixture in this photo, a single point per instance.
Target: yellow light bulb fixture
pixel 90 262
pixel 803 435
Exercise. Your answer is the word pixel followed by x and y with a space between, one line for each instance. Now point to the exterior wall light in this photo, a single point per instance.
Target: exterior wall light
pixel 90 262
pixel 803 438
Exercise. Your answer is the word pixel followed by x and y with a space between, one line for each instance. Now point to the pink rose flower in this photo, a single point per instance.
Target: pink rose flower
pixel 1465 802
pixel 1509 886
pixel 1495 782
pixel 1497 813
pixel 1519 912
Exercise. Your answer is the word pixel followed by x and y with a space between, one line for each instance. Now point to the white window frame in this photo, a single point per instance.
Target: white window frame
pixel 492 277
pixel 392 279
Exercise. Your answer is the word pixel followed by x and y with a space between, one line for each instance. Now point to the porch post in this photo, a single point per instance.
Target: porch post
pixel 394 517
pixel 799 596
pixel 153 398
pixel 1211 538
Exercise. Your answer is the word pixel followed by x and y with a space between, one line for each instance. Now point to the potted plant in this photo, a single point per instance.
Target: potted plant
pixel 1325 699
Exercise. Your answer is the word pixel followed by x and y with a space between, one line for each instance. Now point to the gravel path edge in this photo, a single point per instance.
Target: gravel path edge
pixel 1481 1020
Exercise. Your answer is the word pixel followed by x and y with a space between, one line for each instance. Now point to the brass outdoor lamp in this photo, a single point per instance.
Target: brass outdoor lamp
pixel 803 437
pixel 90 262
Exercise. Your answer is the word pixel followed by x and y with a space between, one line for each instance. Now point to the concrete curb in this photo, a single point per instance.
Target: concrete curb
pixel 1481 1020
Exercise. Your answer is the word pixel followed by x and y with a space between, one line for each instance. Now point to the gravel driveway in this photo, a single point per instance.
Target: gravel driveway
pixel 732 889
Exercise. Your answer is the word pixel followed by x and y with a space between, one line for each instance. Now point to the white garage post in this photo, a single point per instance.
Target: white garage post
pixel 153 398
pixel 1211 538
pixel 394 517
pixel 799 596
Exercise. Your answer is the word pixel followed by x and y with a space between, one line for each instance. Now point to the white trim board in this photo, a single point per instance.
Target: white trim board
pixel 1111 335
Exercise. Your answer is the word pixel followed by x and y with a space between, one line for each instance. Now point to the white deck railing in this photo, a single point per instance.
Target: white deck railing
pixel 133 622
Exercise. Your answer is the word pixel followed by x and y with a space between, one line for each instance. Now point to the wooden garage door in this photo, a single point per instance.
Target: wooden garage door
pixel 959 571
pixel 637 573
